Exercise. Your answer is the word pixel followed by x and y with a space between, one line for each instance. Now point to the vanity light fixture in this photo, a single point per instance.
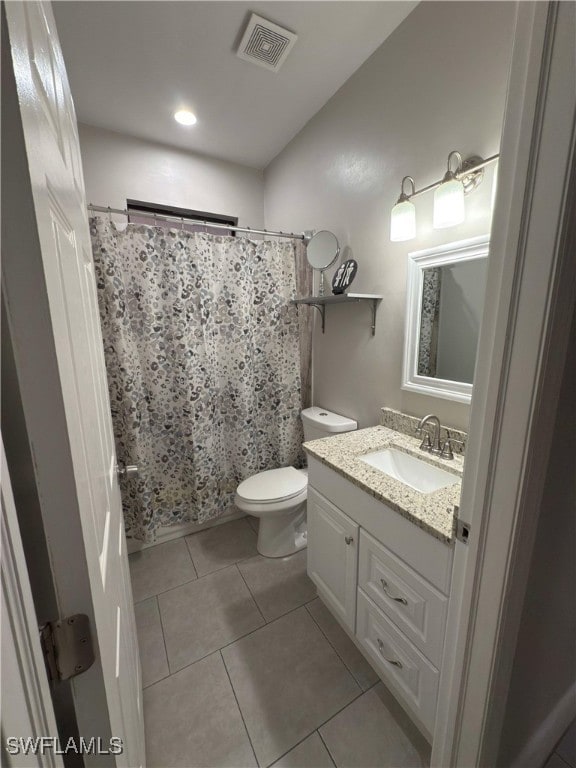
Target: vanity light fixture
pixel 185 117
pixel 403 216
pixel 448 196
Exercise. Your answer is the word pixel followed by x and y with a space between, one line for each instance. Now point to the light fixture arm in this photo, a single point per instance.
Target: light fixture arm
pixel 453 174
pixel 403 196
pixel 467 170
pixel 448 202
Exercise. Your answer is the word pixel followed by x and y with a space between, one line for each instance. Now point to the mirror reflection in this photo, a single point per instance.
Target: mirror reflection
pixel 451 310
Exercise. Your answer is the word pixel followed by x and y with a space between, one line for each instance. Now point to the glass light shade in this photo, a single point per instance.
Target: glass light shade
pixel 449 204
pixel 403 221
pixel 185 117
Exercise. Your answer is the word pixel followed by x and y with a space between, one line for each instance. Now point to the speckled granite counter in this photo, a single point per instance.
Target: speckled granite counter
pixel 433 512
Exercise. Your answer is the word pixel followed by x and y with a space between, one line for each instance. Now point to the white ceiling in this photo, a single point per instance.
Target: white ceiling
pixel 132 64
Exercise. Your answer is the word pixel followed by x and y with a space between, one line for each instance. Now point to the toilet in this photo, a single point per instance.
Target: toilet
pixel 278 496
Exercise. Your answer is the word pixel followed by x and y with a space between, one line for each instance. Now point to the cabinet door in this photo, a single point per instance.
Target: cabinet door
pixel 333 556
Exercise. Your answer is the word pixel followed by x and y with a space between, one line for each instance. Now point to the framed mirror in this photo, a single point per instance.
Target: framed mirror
pixel 445 300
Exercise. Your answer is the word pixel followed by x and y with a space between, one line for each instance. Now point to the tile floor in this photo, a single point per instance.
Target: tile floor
pixel 243 665
pixel 564 756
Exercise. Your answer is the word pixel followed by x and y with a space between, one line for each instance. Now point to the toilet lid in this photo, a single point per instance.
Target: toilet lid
pixel 273 485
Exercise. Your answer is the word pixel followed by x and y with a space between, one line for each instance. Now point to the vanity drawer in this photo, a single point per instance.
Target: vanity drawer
pixel 411 602
pixel 402 667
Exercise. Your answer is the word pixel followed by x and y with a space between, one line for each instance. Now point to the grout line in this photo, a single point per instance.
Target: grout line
pixel 228 565
pixel 317 729
pixel 219 650
pixel 251 594
pixel 157 594
pixel 216 650
pixel 291 748
pixel 360 693
pixel 239 707
pixel 163 636
pixel 326 747
pixel 220 568
pixel 568 765
pixel 331 644
pixel 242 637
pixel 298 743
pixel 190 555
pixel 189 581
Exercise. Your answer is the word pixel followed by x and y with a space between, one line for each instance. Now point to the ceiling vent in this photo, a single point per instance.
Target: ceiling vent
pixel 265 43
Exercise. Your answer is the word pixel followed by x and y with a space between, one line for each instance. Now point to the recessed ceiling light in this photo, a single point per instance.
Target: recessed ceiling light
pixel 185 117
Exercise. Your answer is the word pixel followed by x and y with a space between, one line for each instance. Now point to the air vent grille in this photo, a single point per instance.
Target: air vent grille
pixel 265 43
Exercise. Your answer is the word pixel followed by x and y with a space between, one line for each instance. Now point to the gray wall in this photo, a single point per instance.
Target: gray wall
pixel 438 83
pixel 545 662
pixel 117 167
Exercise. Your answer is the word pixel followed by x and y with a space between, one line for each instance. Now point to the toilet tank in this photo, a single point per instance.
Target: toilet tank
pixel 318 422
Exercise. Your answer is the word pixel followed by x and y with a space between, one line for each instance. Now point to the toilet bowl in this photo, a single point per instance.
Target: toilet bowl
pixel 278 496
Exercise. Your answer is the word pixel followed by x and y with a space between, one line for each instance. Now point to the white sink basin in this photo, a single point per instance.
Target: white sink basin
pixel 420 475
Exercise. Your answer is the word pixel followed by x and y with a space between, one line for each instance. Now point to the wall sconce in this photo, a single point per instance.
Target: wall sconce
pixel 448 197
pixel 403 216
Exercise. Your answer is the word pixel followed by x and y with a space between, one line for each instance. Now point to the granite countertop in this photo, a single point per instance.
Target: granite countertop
pixel 433 512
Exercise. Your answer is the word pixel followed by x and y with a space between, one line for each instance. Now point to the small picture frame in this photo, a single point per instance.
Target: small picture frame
pixel 343 276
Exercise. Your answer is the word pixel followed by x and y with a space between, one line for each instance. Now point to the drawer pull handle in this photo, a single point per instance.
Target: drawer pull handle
pixel 387 593
pixel 390 661
pixel 349 540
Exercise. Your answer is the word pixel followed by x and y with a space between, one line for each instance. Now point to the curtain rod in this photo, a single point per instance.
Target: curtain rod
pixel 181 219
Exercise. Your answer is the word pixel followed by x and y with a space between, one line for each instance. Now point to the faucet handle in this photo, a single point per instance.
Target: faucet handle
pixel 447 452
pixel 426 444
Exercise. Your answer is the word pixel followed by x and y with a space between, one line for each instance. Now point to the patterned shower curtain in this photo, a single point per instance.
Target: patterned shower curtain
pixel 203 361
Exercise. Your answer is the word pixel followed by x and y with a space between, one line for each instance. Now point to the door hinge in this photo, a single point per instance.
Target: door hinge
pixel 67 646
pixel 462 528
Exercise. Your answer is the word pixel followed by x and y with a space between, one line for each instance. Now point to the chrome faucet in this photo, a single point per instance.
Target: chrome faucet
pixel 433 446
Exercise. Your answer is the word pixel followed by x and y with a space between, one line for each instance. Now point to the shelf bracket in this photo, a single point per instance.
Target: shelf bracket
pixel 374 310
pixel 320 302
pixel 322 309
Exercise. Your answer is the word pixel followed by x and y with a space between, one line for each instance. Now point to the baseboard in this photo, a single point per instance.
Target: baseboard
pixel 180 530
pixel 542 742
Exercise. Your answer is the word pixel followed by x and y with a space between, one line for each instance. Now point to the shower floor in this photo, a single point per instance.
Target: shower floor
pixel 243 665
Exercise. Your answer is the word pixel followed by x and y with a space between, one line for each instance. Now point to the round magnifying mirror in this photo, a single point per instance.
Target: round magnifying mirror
pixel 322 249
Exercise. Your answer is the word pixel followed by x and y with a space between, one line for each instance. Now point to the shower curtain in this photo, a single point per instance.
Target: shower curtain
pixel 204 368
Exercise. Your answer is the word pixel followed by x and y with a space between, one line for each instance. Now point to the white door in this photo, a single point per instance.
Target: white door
pixel 23 680
pixel 333 556
pixel 70 331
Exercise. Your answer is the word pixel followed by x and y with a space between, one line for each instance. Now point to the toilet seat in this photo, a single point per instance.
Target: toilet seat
pixel 273 485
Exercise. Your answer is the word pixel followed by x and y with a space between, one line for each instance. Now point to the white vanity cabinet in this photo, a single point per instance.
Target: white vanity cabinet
pixel 386 580
pixel 333 556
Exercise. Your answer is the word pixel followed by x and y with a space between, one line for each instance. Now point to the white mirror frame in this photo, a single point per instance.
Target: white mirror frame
pixel 450 253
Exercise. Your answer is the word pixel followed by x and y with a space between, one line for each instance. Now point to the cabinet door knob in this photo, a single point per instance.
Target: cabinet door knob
pixel 390 661
pixel 349 539
pixel 387 593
